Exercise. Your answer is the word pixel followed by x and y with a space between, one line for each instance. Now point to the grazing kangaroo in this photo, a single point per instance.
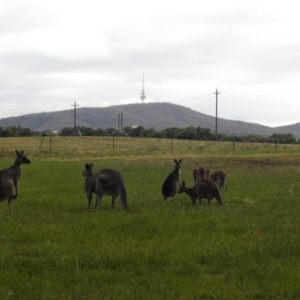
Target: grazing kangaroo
pixel 200 174
pixel 207 189
pixel 172 182
pixel 105 182
pixel 9 180
pixel 220 178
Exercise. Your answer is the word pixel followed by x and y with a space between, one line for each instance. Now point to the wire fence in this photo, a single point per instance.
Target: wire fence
pixel 105 145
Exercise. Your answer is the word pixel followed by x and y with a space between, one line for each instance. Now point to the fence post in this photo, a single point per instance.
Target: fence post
pixel 41 145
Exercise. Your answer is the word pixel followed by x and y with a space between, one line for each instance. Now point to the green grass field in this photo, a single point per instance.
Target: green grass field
pixel 53 247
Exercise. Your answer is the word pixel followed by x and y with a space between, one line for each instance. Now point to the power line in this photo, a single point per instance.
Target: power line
pixel 258 95
pixel 205 93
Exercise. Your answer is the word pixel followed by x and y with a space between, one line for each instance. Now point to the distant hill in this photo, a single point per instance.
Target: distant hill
pixel 148 115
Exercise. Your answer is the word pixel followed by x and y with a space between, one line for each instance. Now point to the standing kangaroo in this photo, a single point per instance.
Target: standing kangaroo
pixel 200 174
pixel 7 192
pixel 220 178
pixel 207 189
pixel 9 180
pixel 105 182
pixel 172 182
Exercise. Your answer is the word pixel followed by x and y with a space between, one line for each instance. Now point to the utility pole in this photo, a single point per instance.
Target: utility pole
pixel 120 123
pixel 75 105
pixel 216 93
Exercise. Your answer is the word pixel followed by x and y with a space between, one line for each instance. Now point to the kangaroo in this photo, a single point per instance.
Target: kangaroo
pixel 90 183
pixel 172 182
pixel 220 178
pixel 7 192
pixel 207 189
pixel 9 180
pixel 105 182
pixel 200 174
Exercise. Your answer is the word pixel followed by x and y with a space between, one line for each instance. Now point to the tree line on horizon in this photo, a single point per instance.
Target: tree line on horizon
pixel 189 133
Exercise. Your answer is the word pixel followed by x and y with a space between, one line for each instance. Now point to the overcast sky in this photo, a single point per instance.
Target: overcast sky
pixel 53 53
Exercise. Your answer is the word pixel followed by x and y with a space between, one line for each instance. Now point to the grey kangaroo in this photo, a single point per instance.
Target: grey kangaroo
pixel 171 184
pixel 220 178
pixel 7 192
pixel 207 189
pixel 9 180
pixel 105 182
pixel 200 174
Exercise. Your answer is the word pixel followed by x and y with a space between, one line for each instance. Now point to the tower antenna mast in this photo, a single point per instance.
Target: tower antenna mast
pixel 143 94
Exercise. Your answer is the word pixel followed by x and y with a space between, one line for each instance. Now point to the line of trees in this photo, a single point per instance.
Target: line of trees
pixel 13 131
pixel 189 133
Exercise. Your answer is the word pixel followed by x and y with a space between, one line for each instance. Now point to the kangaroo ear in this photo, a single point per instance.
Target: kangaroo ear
pixel 17 152
pixel 86 166
pixel 175 160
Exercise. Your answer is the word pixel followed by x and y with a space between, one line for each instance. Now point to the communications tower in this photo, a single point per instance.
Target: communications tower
pixel 143 94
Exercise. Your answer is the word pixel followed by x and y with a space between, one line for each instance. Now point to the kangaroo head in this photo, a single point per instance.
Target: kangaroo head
pixel 88 170
pixel 182 188
pixel 207 174
pixel 21 158
pixel 177 164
